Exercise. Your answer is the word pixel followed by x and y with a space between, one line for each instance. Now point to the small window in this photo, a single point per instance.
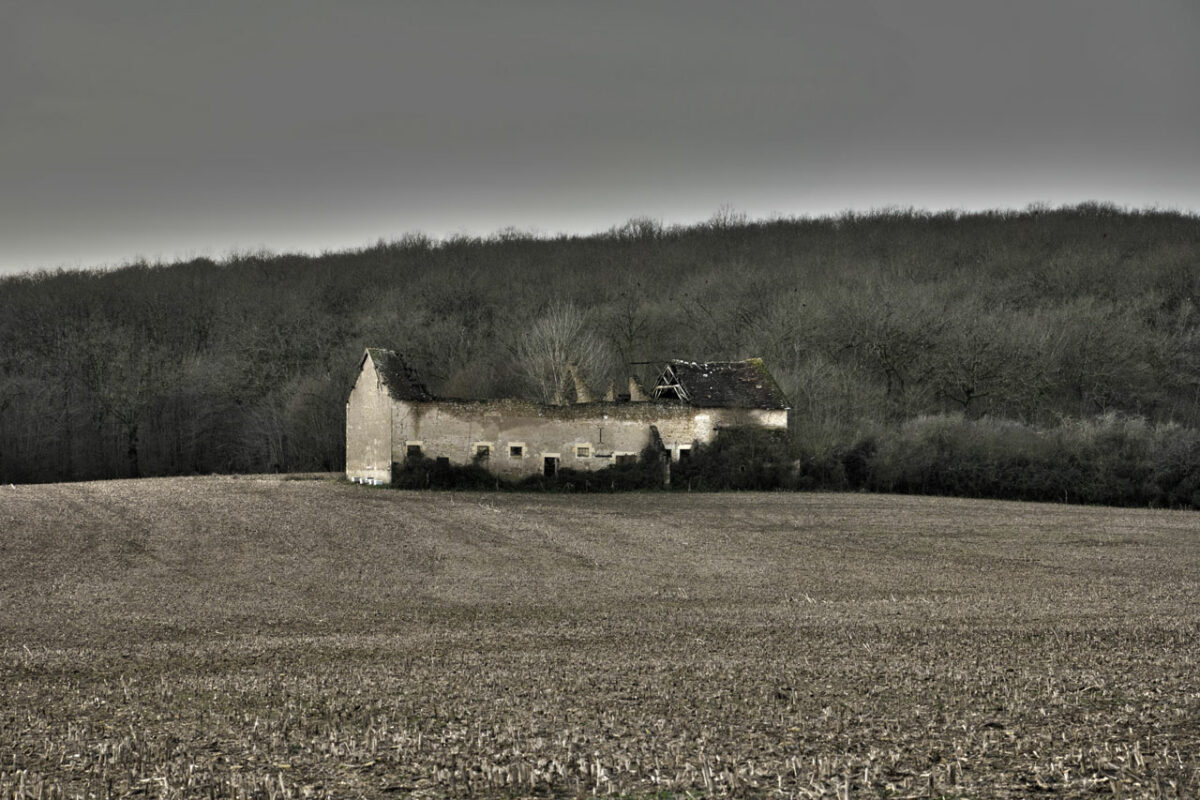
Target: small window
pixel 483 451
pixel 685 454
pixel 413 450
pixel 516 451
pixel 443 462
pixel 626 458
pixel 583 451
pixel 550 466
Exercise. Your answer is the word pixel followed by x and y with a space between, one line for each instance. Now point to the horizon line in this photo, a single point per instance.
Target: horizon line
pixel 726 216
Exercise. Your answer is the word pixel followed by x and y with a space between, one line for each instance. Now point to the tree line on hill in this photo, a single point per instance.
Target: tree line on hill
pixel 880 327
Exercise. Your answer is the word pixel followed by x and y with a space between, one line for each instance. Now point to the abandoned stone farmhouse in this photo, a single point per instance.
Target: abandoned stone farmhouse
pixel 391 415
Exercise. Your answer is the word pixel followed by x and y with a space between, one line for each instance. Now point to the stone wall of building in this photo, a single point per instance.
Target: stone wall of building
pixel 369 428
pixel 519 436
pixel 515 438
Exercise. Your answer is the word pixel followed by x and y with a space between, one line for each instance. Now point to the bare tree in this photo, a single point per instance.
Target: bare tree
pixel 630 321
pixel 893 330
pixel 561 340
pixel 125 377
pixel 989 360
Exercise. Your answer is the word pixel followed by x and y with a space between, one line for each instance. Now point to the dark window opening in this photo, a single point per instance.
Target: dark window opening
pixel 443 462
pixel 628 458
pixel 483 452
pixel 413 451
pixel 516 451
pixel 550 466
pixel 685 454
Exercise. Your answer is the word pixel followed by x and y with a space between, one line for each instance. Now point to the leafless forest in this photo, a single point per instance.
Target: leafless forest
pixel 271 638
pixel 890 331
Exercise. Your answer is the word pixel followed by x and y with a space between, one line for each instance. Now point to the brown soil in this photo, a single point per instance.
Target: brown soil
pixel 280 638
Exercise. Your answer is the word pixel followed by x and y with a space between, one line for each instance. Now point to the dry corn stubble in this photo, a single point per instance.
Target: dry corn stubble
pixel 270 638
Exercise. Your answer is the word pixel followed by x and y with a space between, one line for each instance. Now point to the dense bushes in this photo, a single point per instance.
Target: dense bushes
pixel 647 472
pixel 1110 459
pixel 420 472
pixel 738 459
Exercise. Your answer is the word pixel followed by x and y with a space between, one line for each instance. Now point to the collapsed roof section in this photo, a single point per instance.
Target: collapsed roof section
pixel 713 384
pixel 720 384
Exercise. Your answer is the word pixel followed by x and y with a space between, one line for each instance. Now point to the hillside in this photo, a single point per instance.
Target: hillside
pixel 254 636
pixel 868 321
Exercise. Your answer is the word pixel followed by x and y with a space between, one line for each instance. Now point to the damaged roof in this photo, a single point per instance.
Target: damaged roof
pixel 726 384
pixel 712 384
pixel 400 379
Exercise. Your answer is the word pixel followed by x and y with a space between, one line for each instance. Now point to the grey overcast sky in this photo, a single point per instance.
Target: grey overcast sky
pixel 166 129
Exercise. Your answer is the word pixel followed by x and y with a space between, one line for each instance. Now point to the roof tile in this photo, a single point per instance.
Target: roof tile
pixel 729 384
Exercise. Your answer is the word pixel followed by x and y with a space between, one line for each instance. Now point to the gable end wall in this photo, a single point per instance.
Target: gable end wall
pixel 369 428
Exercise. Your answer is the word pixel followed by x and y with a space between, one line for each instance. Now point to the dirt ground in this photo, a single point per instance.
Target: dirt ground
pixel 266 637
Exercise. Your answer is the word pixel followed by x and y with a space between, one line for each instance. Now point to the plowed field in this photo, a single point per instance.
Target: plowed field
pixel 265 637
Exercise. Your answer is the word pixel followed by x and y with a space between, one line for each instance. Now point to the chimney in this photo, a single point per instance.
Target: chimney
pixel 636 393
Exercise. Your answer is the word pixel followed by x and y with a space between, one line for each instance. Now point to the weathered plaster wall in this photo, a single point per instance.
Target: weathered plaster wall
pixel 369 428
pixel 456 429
pixel 705 422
